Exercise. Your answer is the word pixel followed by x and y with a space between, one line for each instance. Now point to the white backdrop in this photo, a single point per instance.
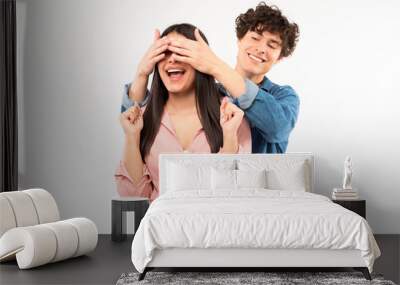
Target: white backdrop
pixel 74 57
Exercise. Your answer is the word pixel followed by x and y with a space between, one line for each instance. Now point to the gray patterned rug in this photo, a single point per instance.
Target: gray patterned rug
pixel 270 278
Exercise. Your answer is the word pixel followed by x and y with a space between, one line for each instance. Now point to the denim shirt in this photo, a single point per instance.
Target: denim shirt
pixel 270 109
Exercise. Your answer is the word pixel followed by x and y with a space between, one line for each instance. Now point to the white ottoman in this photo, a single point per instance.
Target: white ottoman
pixel 31 232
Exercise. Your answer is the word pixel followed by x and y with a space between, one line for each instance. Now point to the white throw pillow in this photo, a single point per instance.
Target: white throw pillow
pixel 223 179
pixel 188 174
pixel 251 178
pixel 283 174
pixel 292 178
pixel 181 177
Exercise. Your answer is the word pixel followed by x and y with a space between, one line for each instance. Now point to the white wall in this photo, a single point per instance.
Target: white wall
pixel 74 56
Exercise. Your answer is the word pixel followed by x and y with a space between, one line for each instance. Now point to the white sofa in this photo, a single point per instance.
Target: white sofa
pixel 31 231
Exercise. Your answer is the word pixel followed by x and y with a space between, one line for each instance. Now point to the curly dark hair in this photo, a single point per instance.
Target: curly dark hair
pixel 269 18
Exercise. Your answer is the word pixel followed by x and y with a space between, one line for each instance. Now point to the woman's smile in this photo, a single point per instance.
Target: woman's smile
pixel 175 73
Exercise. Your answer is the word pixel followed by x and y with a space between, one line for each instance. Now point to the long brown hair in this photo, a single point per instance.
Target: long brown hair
pixel 207 99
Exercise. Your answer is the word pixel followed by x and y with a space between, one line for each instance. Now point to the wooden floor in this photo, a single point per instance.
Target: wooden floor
pixel 111 259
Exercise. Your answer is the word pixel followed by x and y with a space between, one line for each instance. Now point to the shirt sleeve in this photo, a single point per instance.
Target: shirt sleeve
pixel 126 186
pixel 250 94
pixel 127 102
pixel 273 115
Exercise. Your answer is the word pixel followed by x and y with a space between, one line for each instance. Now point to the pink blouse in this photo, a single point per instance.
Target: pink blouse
pixel 166 141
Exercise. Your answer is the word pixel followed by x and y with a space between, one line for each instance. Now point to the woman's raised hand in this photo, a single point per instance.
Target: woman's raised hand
pixel 132 121
pixel 153 55
pixel 231 117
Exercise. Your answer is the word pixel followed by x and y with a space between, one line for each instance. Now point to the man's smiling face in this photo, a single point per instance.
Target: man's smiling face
pixel 257 53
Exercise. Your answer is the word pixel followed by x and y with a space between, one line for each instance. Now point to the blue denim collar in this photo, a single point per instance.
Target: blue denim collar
pixel 266 84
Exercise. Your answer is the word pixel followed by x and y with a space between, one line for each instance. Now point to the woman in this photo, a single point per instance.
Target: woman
pixel 184 114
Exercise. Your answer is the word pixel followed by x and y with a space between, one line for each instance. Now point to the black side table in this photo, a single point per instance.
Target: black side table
pixel 119 207
pixel 357 206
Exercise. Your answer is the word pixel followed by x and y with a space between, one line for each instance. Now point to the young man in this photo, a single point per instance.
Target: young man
pixel 264 37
